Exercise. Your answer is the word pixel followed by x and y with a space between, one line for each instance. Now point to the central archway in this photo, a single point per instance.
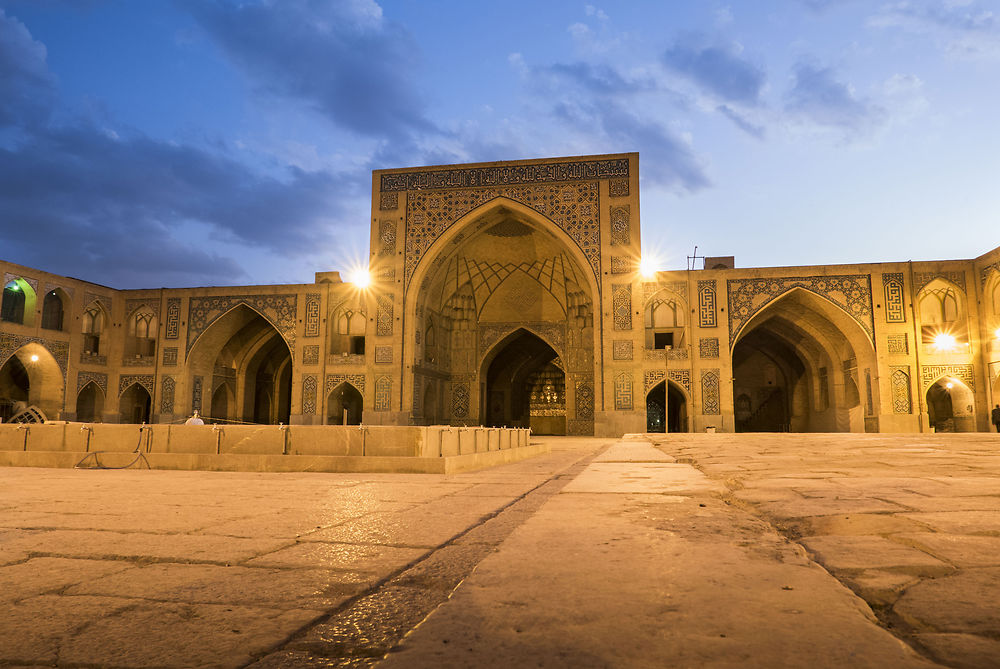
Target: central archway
pixel 501 272
pixel 524 385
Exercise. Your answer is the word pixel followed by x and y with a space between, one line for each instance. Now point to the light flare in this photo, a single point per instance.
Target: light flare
pixel 360 277
pixel 944 342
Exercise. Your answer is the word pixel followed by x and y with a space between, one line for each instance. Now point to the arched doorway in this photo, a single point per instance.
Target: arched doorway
pixel 344 406
pixel 524 385
pixel 248 360
pixel 666 409
pixel 802 364
pixel 90 404
pixel 505 271
pixel 31 377
pixel 950 406
pixel 134 404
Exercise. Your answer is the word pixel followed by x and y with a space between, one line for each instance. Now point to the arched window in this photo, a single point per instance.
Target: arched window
pixel 348 337
pixel 18 303
pixel 52 311
pixel 664 322
pixel 93 325
pixel 141 335
pixel 941 312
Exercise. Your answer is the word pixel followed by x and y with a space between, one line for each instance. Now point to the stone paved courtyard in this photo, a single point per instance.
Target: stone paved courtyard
pixel 658 550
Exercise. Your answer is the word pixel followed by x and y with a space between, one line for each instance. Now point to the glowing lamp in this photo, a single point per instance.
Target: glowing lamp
pixel 949 385
pixel 996 333
pixel 647 267
pixel 360 278
pixel 34 358
pixel 944 342
pixel 15 287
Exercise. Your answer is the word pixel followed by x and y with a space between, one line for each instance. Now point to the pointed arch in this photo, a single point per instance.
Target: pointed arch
pixel 19 300
pixel 31 376
pixel 54 307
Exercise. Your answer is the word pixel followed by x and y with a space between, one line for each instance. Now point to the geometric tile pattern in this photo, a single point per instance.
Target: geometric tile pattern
pixel 897 343
pixel 895 311
pixel 573 207
pixel 387 237
pixel 621 304
pixel 706 304
pixel 851 292
pixel 10 343
pixel 308 394
pixel 708 347
pixel 383 390
pixel 930 373
pixel 388 201
pixel 621 265
pixel 312 315
pixel 459 400
pixel 921 279
pixel 618 187
pixel 196 394
pixel 901 400
pixel 167 389
pixel 620 229
pixel 710 392
pixel 621 349
pixel 173 327
pixel 310 355
pixel 279 310
pixel 144 380
pixel 383 317
pixel 584 400
pixel 100 379
pixel 383 355
pixel 623 391
pixel 334 380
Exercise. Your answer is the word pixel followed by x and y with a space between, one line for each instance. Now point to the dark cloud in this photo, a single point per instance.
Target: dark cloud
pixel 666 159
pixel 26 86
pixel 819 98
pixel 79 199
pixel 740 122
pixel 598 79
pixel 718 70
pixel 588 99
pixel 342 58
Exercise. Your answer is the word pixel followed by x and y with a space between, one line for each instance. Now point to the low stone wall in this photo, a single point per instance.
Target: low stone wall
pixel 326 440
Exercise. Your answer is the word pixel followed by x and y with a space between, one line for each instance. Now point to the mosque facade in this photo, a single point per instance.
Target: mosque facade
pixel 510 294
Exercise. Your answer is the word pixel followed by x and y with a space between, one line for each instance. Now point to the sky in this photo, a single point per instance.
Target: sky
pixel 175 143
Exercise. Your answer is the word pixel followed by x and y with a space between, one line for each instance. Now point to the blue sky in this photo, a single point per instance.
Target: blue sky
pixel 210 142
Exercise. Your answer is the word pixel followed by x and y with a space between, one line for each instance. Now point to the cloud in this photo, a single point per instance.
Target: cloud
pixel 83 199
pixel 818 98
pixel 717 70
pixel 616 110
pixel 26 86
pixel 341 58
pixel 961 28
pixel 742 123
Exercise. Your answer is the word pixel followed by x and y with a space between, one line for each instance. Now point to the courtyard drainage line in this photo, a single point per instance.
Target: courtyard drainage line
pixel 368 625
pixel 886 616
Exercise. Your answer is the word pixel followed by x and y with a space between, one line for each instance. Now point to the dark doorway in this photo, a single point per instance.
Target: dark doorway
pixel 525 386
pixel 666 409
pixel 344 406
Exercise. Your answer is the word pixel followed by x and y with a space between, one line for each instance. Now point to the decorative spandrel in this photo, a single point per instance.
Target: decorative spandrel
pixel 572 207
pixel 279 310
pixel 850 292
